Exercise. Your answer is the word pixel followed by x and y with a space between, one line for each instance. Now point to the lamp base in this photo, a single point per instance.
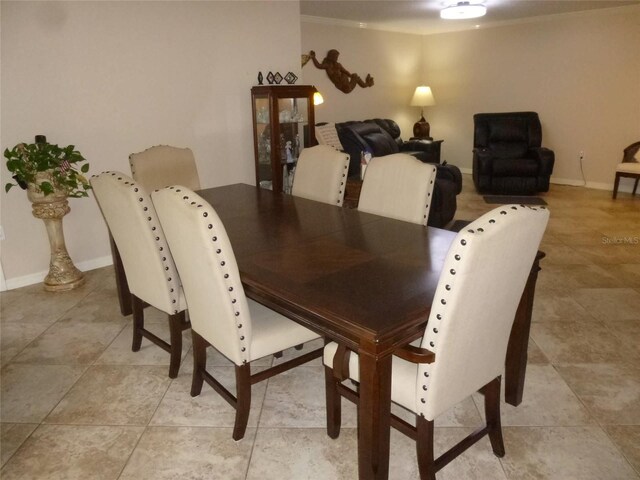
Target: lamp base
pixel 421 129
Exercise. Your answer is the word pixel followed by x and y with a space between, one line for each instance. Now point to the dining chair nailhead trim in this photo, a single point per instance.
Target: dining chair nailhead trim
pixel 443 301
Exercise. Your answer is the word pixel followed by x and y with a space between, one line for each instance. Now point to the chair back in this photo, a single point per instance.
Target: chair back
pixel 508 134
pixel 218 308
pixel 632 153
pixel 478 292
pixel 321 175
pixel 398 186
pixel 163 165
pixel 134 226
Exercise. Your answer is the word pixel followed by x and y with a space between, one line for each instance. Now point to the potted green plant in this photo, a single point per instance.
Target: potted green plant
pixel 50 174
pixel 47 168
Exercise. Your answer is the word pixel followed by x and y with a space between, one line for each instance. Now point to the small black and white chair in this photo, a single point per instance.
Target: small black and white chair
pixel 321 175
pixel 628 168
pixel 221 315
pixel 398 186
pixel 464 345
pixel 148 265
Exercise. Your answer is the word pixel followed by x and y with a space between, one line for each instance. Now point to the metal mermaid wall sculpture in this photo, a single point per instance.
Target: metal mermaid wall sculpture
pixel 344 80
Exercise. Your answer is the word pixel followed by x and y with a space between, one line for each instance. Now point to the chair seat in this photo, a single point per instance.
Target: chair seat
pixel 519 167
pixel 272 332
pixel 628 167
pixel 403 375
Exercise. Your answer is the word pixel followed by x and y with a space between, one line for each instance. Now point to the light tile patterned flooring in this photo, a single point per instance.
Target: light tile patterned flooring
pixel 78 404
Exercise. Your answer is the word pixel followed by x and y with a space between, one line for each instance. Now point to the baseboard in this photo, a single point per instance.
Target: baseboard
pixel 572 182
pixel 3 282
pixel 628 188
pixel 34 278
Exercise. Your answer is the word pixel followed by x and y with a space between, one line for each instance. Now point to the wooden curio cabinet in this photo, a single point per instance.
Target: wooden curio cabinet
pixel 283 125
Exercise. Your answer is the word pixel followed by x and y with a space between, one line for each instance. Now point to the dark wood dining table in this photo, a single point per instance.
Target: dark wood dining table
pixel 362 280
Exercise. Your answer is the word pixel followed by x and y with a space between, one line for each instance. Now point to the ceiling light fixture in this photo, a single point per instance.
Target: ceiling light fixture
pixel 463 10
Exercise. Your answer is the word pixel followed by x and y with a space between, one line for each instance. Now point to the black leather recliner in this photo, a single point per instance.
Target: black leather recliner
pixel 382 137
pixel 507 154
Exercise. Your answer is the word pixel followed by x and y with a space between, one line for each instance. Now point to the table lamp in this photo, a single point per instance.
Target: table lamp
pixel 422 98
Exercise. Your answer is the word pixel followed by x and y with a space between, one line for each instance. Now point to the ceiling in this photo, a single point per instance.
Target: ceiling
pixel 423 16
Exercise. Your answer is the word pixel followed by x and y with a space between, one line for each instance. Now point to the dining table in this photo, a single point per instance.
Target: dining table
pixel 362 280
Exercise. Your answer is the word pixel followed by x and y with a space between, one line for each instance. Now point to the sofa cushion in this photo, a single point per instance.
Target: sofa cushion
pixel 389 126
pixel 509 150
pixel 357 137
pixel 508 130
pixel 382 143
pixel 515 167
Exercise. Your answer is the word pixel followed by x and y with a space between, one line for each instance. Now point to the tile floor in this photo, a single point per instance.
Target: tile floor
pixel 78 404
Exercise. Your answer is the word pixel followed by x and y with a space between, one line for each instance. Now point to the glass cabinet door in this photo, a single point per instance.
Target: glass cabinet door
pixel 292 118
pixel 283 127
pixel 263 140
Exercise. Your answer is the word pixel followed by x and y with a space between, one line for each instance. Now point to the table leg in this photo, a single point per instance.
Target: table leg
pixel 122 287
pixel 516 361
pixel 374 414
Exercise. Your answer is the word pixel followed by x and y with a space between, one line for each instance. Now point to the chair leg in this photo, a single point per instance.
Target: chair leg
pixel 243 395
pixel 176 323
pixel 138 322
pixel 199 363
pixel 635 186
pixel 615 186
pixel 334 406
pixel 492 414
pixel 424 448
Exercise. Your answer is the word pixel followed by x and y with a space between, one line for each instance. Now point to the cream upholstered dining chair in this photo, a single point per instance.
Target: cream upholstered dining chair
pixel 464 345
pixel 398 186
pixel 321 175
pixel 163 165
pixel 221 315
pixel 148 265
pixel 629 167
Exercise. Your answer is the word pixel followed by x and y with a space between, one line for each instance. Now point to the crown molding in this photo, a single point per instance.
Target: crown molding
pixel 479 25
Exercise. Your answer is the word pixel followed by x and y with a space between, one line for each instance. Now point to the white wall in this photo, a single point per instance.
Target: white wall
pixel 117 77
pixel 393 59
pixel 581 73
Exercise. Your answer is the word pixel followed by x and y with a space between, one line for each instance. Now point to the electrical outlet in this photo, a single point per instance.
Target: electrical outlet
pixel 581 155
pixel 1 233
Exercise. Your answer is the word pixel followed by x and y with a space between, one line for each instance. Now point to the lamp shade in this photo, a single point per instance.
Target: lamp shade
pixel 422 97
pixel 317 99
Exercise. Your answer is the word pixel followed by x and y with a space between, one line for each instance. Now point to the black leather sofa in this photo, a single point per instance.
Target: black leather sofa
pixel 382 137
pixel 507 156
